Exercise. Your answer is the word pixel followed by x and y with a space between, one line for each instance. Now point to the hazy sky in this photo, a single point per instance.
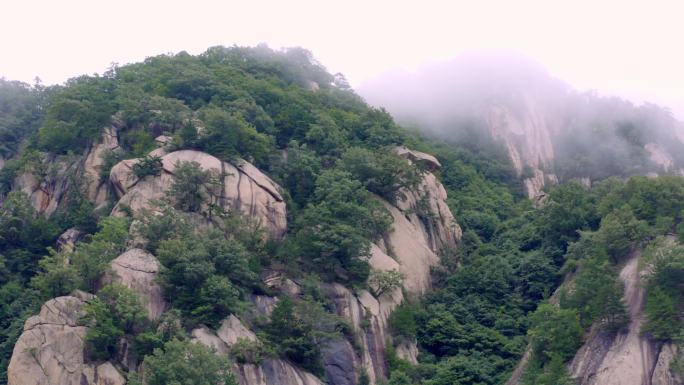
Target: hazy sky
pixel 629 48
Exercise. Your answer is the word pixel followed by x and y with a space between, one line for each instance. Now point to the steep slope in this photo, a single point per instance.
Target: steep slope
pixel 628 357
pixel 414 243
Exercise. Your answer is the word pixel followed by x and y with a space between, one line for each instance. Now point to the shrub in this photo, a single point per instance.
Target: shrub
pixel 246 351
pixel 192 186
pixel 293 338
pixel 402 321
pixel 381 172
pixel 186 362
pixel 383 281
pixel 149 165
pixel 115 312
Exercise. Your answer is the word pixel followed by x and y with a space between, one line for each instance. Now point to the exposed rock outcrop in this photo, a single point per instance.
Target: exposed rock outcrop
pixel 628 358
pixel 368 317
pixel 528 141
pixel 662 373
pixel 45 193
pixel 97 188
pixel 274 371
pixel 51 349
pixel 270 371
pixel 422 225
pixel 662 158
pixel 67 241
pixel 137 270
pixel 242 188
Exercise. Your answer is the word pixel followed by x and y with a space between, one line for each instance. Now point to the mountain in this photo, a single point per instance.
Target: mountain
pixel 243 217
pixel 550 132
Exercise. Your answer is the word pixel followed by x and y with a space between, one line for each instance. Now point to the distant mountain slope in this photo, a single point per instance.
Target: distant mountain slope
pixel 550 132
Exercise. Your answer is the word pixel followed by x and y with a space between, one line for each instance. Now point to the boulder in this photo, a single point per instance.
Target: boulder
pixel 207 337
pixel 51 349
pixel 137 270
pixel 243 188
pixel 422 224
pixel 232 330
pixel 263 305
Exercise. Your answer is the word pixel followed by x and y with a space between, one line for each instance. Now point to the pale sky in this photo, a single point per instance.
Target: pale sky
pixel 626 48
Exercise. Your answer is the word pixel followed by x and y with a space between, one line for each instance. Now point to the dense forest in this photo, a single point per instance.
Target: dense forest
pixel 526 276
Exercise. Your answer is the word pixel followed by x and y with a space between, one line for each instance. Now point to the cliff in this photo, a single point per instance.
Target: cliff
pixel 628 357
pixel 51 348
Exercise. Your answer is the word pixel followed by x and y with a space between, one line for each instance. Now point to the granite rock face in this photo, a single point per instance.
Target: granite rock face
pixel 628 358
pixel 242 188
pixel 137 270
pixel 51 349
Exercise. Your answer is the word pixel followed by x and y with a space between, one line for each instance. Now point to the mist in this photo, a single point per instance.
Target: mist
pixel 576 134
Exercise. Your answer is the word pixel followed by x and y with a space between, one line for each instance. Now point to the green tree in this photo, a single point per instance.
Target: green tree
pixel 205 275
pixel 663 320
pixel 554 332
pixel 293 338
pixel 114 313
pixel 381 172
pixel 192 186
pixel 187 363
pixel 620 231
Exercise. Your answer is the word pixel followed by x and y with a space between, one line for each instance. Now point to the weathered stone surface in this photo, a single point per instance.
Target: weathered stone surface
pixel 661 373
pixel 67 241
pixel 97 190
pixel 422 225
pixel 277 280
pixel 243 188
pixel 428 161
pixel 51 349
pixel 274 372
pixel 263 305
pixel 232 330
pixel 270 372
pixel 528 140
pixel 374 313
pixel 340 362
pixel 207 337
pixel 628 358
pixel 408 351
pixel 411 247
pixel 137 270
pixel 106 374
pixel 46 194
